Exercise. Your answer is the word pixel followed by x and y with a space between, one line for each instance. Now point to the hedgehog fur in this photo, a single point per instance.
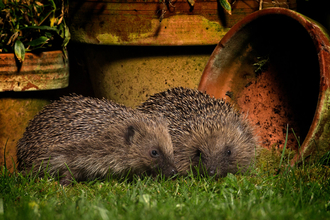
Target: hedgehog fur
pixel 94 138
pixel 208 134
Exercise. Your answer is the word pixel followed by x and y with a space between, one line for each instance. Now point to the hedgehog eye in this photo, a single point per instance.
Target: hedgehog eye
pixel 228 152
pixel 199 154
pixel 154 153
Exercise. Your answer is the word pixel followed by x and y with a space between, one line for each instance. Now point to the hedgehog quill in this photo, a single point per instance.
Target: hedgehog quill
pixel 204 130
pixel 94 138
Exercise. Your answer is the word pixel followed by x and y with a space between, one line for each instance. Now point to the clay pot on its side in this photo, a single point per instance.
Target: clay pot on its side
pixel 275 65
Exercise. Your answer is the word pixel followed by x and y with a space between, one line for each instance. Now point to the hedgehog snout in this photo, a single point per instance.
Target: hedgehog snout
pixel 173 172
pixel 216 168
pixel 170 170
pixel 211 172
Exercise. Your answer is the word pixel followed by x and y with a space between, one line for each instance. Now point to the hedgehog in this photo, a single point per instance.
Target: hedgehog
pixel 209 136
pixel 88 138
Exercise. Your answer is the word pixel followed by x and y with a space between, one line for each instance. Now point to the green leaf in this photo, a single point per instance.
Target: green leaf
pixel 53 5
pixel 226 5
pixel 64 32
pixel 39 41
pixel 2 6
pixel 40 28
pixel 19 50
pixel 49 34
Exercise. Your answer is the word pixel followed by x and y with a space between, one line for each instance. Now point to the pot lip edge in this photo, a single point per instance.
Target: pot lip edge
pixel 33 53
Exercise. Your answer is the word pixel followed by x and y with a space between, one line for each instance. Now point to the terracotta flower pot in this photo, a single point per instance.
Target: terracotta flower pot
pixel 130 54
pixel 275 65
pixel 134 22
pixel 16 110
pixel 45 71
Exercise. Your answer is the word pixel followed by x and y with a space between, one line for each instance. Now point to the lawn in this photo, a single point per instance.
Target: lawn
pixel 299 193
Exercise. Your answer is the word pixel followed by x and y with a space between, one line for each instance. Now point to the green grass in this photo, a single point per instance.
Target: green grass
pixel 299 193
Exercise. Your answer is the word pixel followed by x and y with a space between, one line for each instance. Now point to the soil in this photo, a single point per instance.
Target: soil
pixel 268 108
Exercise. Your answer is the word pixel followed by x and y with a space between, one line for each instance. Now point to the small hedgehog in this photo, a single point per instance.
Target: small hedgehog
pixel 94 138
pixel 205 131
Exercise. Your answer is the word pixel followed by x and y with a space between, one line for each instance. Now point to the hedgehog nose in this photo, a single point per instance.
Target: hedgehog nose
pixel 211 172
pixel 173 172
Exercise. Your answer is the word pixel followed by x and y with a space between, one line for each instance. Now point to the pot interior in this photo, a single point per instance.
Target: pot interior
pixel 268 68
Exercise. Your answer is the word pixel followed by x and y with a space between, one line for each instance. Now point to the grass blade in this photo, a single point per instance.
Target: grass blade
pixel 286 141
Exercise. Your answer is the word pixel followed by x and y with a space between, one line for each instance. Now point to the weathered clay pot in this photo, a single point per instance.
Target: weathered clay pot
pixel 275 65
pixel 45 71
pixel 130 74
pixel 134 22
pixel 15 112
pixel 124 43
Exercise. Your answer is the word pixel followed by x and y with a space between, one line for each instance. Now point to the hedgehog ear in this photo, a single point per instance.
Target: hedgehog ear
pixel 130 134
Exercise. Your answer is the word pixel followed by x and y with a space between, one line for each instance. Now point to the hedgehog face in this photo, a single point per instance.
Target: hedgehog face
pixel 151 150
pixel 214 157
pixel 164 163
pixel 228 150
pixel 160 162
pixel 216 151
pixel 221 160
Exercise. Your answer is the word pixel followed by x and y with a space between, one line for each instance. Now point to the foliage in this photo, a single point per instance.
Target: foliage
pixel 30 25
pixel 170 3
pixel 226 5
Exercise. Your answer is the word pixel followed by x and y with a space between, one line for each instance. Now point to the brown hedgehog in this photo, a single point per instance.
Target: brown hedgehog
pixel 93 138
pixel 205 131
